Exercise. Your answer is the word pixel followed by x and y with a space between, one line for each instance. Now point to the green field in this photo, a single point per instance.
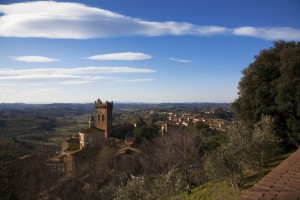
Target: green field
pixel 27 130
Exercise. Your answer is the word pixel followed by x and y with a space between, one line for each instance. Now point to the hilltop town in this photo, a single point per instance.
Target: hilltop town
pixel 107 143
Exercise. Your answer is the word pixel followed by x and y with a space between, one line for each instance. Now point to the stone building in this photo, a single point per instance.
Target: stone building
pixel 56 166
pixel 80 152
pixel 71 144
pixel 91 137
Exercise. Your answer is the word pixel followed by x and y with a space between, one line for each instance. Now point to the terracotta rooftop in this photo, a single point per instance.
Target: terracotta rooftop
pixel 281 183
pixel 124 150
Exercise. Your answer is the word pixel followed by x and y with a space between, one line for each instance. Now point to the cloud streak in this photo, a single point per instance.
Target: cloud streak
pixel 121 56
pixel 28 92
pixel 80 70
pixel 268 33
pixel 181 60
pixel 39 59
pixel 136 80
pixel 63 76
pixel 49 77
pixel 76 82
pixel 42 19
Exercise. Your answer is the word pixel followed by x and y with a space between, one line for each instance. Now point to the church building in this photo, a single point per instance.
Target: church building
pixel 91 137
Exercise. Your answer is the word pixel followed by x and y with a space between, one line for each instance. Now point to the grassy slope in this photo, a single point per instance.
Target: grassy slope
pixel 222 190
pixel 213 190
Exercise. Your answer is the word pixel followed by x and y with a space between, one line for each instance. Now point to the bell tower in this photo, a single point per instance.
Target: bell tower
pixel 103 116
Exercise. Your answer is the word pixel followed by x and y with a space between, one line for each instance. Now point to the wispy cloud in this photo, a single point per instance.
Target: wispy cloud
pixel 181 60
pixel 76 82
pixel 16 92
pixel 121 56
pixel 24 88
pixel 80 70
pixel 42 19
pixel 39 59
pixel 78 21
pixel 20 85
pixel 268 33
pixel 7 89
pixel 136 80
pixel 45 77
pixel 64 76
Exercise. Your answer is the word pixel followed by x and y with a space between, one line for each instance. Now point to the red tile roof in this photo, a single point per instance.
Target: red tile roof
pixel 283 182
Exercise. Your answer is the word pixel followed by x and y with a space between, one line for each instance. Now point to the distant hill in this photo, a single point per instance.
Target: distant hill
pixel 117 105
pixel 45 106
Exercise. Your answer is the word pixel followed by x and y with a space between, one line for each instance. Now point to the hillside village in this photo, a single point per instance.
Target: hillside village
pixel 189 119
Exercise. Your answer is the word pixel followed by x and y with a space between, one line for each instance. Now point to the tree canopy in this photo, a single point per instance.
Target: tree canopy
pixel 271 86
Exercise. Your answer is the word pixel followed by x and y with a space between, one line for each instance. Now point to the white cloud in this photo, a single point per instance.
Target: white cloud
pixel 40 59
pixel 78 21
pixel 181 60
pixel 121 56
pixel 268 33
pixel 136 80
pixel 51 19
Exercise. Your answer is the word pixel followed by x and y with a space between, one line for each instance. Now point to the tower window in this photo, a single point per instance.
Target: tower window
pixel 98 117
pixel 102 117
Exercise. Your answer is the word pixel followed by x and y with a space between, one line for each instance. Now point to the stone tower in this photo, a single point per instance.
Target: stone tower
pixel 103 116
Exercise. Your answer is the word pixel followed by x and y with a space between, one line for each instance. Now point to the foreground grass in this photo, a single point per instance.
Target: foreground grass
pixel 212 191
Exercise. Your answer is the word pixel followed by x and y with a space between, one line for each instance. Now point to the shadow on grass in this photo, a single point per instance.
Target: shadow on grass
pixel 250 181
pixel 272 163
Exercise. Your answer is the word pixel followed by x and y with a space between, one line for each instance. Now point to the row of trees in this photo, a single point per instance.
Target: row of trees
pixel 246 148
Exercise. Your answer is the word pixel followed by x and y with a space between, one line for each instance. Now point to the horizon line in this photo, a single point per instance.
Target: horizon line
pixel 125 102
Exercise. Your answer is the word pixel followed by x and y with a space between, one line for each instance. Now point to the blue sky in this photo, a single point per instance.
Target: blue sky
pixel 133 50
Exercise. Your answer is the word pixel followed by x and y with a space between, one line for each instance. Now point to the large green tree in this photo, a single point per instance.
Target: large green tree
pixel 271 86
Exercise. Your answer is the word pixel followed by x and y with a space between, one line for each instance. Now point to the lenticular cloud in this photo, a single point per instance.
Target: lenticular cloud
pixel 40 59
pixel 121 56
pixel 50 19
pixel 66 20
